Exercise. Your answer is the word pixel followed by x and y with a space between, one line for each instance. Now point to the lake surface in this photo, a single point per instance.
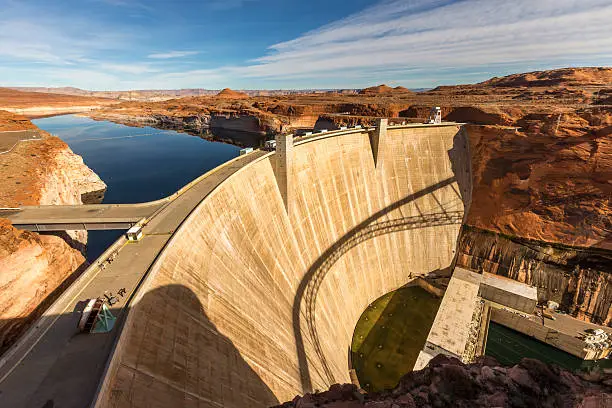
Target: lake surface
pixel 137 164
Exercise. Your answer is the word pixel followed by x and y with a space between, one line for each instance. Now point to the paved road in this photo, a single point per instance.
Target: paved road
pixel 53 362
pixel 9 138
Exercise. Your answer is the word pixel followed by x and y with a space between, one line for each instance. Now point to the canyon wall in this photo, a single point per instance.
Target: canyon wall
pixel 250 305
pixel 235 128
pixel 541 208
pixel 579 279
pixel 33 267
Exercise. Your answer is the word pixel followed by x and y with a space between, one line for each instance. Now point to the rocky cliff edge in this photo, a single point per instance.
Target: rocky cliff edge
pixel 33 267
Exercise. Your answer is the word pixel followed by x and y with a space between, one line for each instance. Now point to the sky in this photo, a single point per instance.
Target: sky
pixel 293 44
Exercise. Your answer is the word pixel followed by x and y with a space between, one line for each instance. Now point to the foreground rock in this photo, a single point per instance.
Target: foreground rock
pixel 446 382
pixel 33 267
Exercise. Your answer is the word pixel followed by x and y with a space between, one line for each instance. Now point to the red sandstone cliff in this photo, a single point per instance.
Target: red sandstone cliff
pixel 543 182
pixel 33 266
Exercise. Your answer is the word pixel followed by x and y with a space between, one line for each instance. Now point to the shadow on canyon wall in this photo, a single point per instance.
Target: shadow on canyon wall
pixel 373 226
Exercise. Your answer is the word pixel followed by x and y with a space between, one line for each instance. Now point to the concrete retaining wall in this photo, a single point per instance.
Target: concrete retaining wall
pixel 251 304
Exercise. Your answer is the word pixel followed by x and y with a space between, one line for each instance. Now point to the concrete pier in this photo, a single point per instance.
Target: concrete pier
pixel 378 140
pixel 284 169
pixel 450 331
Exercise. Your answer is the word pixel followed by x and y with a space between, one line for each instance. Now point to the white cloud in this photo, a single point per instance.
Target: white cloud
pixel 172 54
pixel 416 41
pixel 434 34
pixel 54 40
pixel 412 42
pixel 128 68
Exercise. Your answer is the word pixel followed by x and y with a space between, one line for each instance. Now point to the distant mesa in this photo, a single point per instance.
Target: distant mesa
pixel 230 94
pixel 401 89
pixel 587 76
pixel 384 89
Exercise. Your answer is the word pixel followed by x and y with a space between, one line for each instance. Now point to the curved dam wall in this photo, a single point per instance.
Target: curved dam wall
pixel 250 305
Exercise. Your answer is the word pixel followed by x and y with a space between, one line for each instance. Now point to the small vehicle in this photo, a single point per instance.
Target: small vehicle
pixel 270 144
pixel 246 150
pixel 134 233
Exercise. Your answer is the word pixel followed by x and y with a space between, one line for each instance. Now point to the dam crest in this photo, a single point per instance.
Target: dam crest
pixel 255 297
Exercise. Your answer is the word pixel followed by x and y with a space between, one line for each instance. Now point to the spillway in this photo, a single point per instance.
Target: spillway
pixel 254 301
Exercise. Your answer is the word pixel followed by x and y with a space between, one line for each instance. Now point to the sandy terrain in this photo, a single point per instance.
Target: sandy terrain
pixel 33 104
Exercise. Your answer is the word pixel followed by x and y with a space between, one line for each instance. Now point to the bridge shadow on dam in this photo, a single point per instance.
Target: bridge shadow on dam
pixel 304 305
pixel 372 227
pixel 170 354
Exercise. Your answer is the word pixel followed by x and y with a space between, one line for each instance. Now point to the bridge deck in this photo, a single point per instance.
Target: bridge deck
pixel 53 361
pixel 74 217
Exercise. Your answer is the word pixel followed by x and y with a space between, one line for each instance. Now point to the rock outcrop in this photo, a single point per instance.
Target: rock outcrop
pixel 384 90
pixel 230 94
pixel 446 382
pixel 33 266
pixel 588 76
pixel 544 184
pixel 578 278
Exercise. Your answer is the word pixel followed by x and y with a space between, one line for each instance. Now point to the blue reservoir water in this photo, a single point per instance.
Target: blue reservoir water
pixel 137 164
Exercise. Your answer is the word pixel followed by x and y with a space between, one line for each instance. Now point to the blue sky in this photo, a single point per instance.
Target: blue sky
pixel 269 44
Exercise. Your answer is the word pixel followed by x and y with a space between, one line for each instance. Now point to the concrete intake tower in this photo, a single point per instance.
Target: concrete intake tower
pixel 256 296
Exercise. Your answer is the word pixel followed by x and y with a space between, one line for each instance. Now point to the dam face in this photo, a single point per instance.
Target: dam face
pixel 253 301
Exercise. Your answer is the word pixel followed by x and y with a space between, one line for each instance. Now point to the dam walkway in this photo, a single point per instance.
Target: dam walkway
pixel 53 361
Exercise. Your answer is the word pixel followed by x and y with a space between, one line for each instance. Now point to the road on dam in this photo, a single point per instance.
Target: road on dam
pixel 52 361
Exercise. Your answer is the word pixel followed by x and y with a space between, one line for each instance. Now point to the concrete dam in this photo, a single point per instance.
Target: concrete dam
pixel 256 296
